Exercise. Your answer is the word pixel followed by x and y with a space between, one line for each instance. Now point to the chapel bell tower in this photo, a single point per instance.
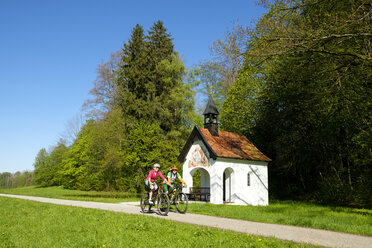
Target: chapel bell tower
pixel 210 117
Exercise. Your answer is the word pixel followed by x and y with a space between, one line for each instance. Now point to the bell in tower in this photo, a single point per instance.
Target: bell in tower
pixel 211 117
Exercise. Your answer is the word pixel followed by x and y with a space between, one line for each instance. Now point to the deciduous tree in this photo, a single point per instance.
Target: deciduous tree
pixel 312 115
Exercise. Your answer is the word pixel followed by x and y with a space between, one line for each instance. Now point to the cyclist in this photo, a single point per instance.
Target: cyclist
pixel 172 175
pixel 150 180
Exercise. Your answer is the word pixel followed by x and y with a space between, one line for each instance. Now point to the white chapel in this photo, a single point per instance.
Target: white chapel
pixel 232 169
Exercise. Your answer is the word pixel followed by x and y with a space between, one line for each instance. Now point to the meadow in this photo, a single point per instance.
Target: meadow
pixel 32 224
pixel 78 195
pixel 342 219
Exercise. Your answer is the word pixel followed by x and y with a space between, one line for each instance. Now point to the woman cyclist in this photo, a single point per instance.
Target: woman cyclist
pixel 150 180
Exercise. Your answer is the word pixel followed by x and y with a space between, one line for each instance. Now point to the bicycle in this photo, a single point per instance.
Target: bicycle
pixel 181 200
pixel 162 201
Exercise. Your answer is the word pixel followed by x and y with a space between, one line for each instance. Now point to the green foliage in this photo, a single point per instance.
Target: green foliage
pixel 144 115
pixel 48 166
pixel 196 179
pixel 307 103
pixel 240 109
pixel 40 165
pixel 150 83
pixel 77 156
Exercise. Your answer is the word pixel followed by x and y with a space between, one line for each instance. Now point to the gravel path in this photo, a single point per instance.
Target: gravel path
pixel 284 232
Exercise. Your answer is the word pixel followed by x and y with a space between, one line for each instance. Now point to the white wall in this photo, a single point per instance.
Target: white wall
pixel 241 193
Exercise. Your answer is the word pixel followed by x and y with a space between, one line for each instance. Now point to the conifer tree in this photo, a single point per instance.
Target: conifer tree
pixel 150 81
pixel 149 117
pixel 131 64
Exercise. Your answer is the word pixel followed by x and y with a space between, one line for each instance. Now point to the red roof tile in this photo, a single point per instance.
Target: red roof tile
pixel 232 145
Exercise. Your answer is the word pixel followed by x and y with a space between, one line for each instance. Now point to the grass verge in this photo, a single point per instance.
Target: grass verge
pixel 348 220
pixel 61 193
pixel 33 224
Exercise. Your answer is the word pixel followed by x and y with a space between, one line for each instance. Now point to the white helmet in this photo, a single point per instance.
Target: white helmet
pixel 156 165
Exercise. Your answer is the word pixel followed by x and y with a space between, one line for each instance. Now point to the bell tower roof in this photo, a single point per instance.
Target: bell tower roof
pixel 211 108
pixel 211 117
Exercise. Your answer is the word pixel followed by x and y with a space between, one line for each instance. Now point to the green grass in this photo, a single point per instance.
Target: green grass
pixel 349 220
pixel 61 193
pixel 32 224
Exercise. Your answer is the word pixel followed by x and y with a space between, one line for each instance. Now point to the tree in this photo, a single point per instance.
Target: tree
pixel 72 128
pixel 208 82
pixel 228 54
pixel 311 114
pixel 130 77
pixel 81 163
pixel 55 159
pixel 157 107
pixel 150 80
pixel 104 88
pixel 241 107
pixel 40 166
pixel 14 180
pixel 148 116
pixel 5 179
pixel 216 76
pixel 331 28
pixel 48 166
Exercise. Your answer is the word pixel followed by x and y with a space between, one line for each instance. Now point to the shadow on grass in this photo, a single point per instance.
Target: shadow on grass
pixel 359 211
pixel 114 196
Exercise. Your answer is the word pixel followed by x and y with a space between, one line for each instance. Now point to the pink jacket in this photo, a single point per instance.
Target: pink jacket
pixel 152 176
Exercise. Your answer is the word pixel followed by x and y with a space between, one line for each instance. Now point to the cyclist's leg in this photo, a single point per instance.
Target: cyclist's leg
pixel 155 191
pixel 173 190
pixel 150 190
pixel 166 188
pixel 155 187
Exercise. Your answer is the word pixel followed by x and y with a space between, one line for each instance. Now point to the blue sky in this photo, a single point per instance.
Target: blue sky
pixel 49 52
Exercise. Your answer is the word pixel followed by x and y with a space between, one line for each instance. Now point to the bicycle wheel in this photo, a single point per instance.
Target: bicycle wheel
pixel 145 205
pixel 163 203
pixel 182 202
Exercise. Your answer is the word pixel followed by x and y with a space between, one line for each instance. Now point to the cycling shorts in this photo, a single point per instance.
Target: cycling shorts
pixel 147 183
pixel 168 188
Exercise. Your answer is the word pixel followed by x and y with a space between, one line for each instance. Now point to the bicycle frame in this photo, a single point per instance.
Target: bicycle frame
pixel 159 198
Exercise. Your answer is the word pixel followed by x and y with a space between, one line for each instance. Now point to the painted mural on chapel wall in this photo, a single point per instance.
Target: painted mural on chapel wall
pixel 198 157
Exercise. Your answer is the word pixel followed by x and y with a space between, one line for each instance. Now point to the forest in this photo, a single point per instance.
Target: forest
pixel 297 84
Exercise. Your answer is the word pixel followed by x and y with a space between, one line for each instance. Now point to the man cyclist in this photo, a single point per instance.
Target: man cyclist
pixel 150 180
pixel 172 175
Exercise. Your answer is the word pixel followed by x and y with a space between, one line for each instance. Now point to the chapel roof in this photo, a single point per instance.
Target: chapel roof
pixel 225 145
